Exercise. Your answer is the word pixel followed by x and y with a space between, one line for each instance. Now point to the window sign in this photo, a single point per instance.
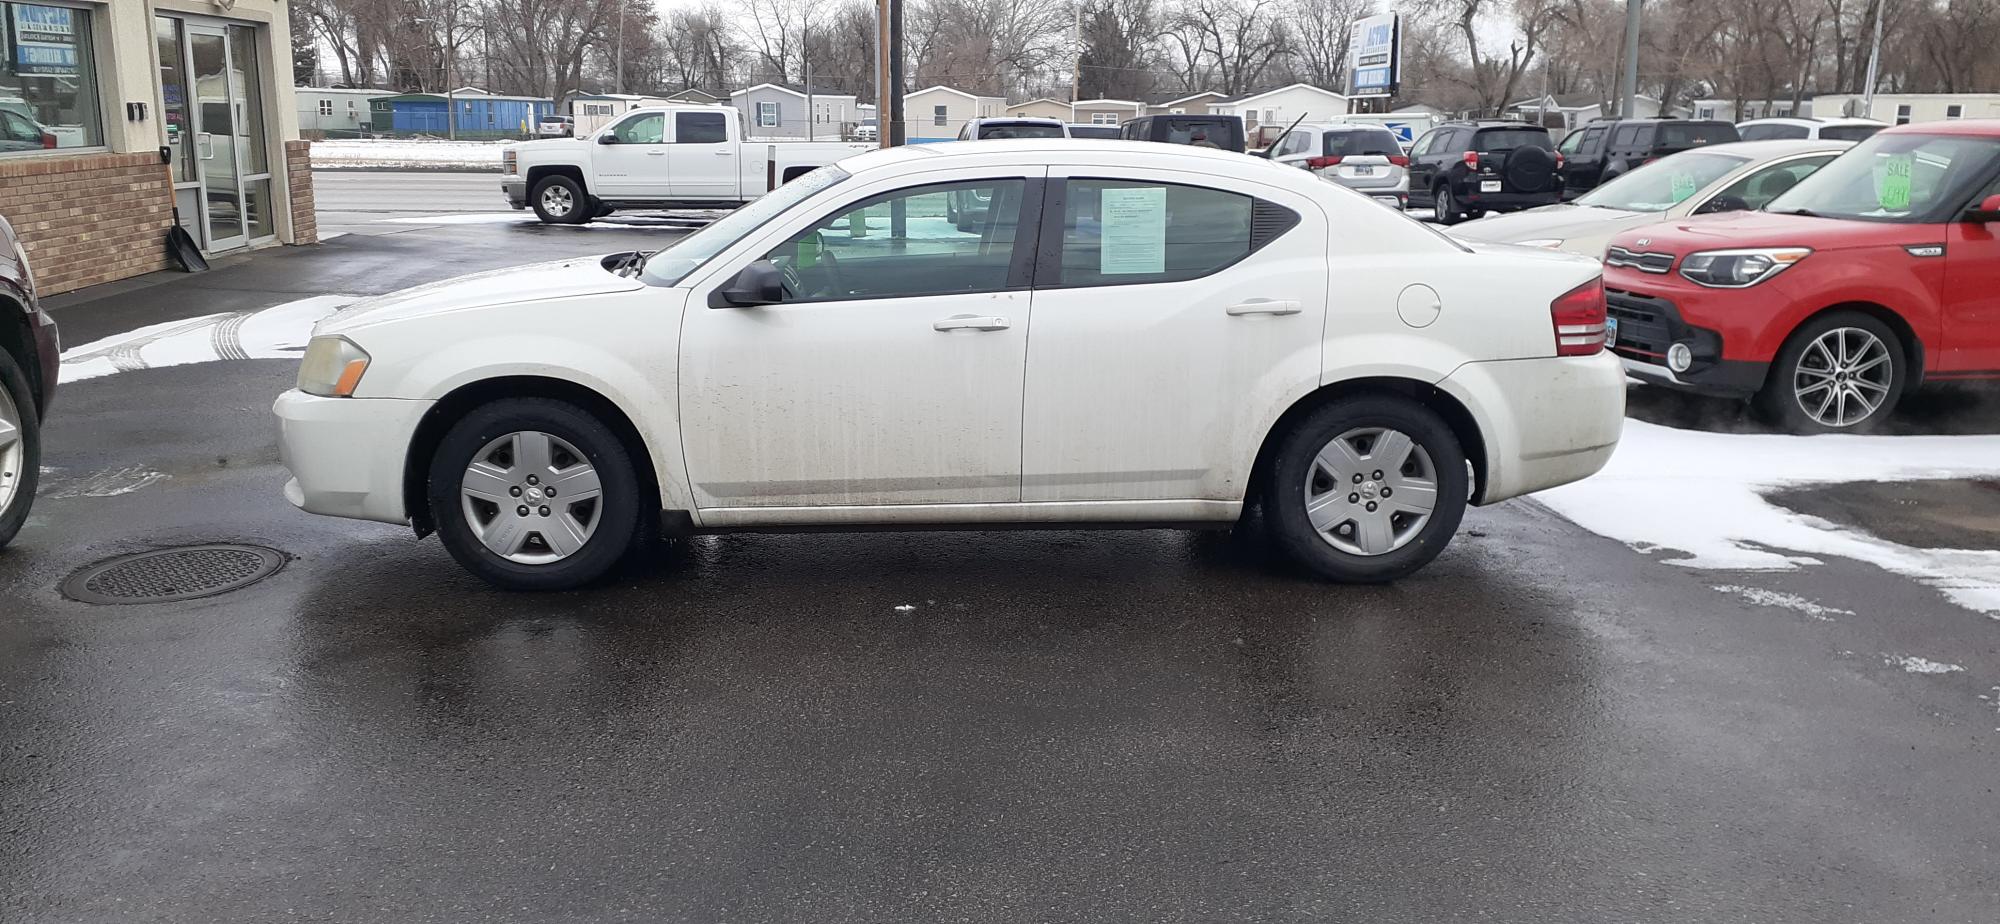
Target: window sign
pixel 1135 230
pixel 47 78
pixel 1892 182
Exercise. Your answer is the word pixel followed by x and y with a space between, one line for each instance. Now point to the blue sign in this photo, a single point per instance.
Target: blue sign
pixel 45 59
pixel 1374 56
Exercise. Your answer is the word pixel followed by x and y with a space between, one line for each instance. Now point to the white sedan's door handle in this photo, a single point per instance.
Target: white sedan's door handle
pixel 656 153
pixel 969 322
pixel 724 153
pixel 1265 306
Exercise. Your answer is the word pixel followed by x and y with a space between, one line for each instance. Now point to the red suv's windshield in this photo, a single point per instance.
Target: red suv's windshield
pixel 1895 177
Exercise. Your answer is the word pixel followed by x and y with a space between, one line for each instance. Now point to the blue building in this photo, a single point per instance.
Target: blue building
pixel 479 114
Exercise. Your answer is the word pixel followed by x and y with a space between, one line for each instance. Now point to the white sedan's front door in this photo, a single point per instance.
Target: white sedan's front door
pixel 891 372
pixel 1184 305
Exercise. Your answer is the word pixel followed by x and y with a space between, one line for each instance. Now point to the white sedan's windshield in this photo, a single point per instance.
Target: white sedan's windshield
pixel 668 267
pixel 1664 183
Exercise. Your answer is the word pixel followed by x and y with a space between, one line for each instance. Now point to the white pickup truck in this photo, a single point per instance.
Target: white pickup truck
pixel 660 158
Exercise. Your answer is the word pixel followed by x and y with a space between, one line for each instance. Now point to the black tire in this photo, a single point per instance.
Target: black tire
pixel 1293 463
pixel 580 207
pixel 1447 208
pixel 618 530
pixel 1779 400
pixel 15 512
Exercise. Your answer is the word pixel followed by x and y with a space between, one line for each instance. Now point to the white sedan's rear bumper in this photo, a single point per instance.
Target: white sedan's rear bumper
pixel 1545 422
pixel 346 454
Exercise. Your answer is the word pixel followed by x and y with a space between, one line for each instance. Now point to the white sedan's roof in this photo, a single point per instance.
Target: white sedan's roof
pixel 1092 151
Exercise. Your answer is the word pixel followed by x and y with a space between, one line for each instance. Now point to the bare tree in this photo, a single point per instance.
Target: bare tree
pixel 1116 61
pixel 1234 42
pixel 1321 31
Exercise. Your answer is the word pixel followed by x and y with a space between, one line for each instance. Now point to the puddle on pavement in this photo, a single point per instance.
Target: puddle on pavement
pixel 1943 514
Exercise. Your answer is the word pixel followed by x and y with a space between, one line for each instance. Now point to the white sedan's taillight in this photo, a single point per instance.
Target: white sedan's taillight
pixel 1579 319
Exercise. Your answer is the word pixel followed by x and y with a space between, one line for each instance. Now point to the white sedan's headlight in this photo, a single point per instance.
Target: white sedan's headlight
pixel 332 367
pixel 1546 243
pixel 1737 269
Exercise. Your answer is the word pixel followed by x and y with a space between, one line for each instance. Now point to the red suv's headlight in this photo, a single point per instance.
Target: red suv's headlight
pixel 1739 269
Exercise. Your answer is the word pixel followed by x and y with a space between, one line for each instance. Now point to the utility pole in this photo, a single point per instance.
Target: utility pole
pixel 806 52
pixel 1628 90
pixel 882 73
pixel 618 82
pixel 1076 70
pixel 897 135
pixel 1874 52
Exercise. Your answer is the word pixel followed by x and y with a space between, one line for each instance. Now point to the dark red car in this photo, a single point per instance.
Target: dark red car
pixel 1877 273
pixel 29 354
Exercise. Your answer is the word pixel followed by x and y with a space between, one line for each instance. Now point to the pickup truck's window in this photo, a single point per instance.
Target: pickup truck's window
pixel 700 128
pixel 670 266
pixel 1118 232
pixel 650 128
pixel 947 238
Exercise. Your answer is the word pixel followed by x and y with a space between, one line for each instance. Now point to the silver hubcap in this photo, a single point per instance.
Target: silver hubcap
pixel 1843 377
pixel 13 450
pixel 532 498
pixel 1370 491
pixel 556 200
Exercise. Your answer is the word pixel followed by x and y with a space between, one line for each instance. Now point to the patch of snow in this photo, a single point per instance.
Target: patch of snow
pixel 906 608
pixel 1698 497
pixel 278 332
pixel 330 235
pixel 1916 665
pixel 110 484
pixel 407 152
pixel 1763 597
pixel 468 218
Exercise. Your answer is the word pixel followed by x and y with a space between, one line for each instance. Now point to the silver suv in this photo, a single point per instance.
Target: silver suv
pixel 1365 158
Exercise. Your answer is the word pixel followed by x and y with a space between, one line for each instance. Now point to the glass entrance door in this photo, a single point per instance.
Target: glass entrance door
pixel 213 102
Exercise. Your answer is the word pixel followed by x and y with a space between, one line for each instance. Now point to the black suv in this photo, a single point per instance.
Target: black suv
pixel 29 352
pixel 1208 131
pixel 1463 168
pixel 1601 151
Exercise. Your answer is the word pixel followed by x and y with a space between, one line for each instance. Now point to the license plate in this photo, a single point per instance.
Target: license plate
pixel 1610 332
pixel 1489 185
pixel 1364 170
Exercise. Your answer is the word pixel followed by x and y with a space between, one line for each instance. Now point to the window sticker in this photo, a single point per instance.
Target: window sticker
pixel 1135 230
pixel 1892 182
pixel 1683 187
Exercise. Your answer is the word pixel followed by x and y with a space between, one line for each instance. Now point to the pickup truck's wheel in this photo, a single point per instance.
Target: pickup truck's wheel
pixel 20 448
pixel 1366 489
pixel 1841 372
pixel 535 494
pixel 560 200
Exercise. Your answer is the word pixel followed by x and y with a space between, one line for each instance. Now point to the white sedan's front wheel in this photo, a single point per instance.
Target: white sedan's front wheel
pixel 1366 489
pixel 535 494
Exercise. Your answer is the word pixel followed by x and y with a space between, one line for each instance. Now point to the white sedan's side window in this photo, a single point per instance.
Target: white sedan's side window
pixel 947 238
pixel 1122 232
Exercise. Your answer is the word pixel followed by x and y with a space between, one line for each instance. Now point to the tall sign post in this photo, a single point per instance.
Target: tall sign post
pixel 1375 61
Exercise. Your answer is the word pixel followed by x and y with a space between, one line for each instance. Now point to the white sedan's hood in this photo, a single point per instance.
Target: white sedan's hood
pixel 540 281
pixel 1563 222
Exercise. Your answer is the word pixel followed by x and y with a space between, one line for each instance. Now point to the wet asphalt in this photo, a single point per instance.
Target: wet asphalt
pixel 1064 726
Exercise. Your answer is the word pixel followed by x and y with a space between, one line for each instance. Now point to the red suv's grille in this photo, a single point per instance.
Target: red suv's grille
pixel 1643 262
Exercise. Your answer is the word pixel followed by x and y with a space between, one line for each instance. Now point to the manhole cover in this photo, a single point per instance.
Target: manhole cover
pixel 165 575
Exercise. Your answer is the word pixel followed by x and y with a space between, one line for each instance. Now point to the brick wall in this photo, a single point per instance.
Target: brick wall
pixel 89 218
pixel 298 172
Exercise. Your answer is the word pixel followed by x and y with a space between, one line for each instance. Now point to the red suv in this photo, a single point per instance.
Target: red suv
pixel 1876 273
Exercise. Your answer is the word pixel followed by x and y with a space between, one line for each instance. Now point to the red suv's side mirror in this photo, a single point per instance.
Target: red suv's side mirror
pixel 1988 210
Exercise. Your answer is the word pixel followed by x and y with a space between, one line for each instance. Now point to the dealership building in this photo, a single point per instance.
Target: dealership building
pixel 118 117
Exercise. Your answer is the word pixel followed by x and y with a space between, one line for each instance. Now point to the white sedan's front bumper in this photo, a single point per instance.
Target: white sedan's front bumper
pixel 1545 422
pixel 346 455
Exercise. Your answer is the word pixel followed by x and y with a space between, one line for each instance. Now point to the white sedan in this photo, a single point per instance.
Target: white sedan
pixel 1122 333
pixel 1721 178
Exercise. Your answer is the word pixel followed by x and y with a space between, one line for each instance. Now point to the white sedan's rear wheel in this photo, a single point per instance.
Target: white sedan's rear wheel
pixel 1366 489
pixel 535 494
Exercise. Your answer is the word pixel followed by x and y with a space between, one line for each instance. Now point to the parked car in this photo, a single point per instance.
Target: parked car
pixel 1001 129
pixel 1365 158
pixel 1877 273
pixel 20 133
pixel 1463 168
pixel 556 126
pixel 867 131
pixel 29 352
pixel 1604 150
pixel 1085 130
pixel 1724 178
pixel 1831 129
pixel 656 157
pixel 835 355
pixel 1208 131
